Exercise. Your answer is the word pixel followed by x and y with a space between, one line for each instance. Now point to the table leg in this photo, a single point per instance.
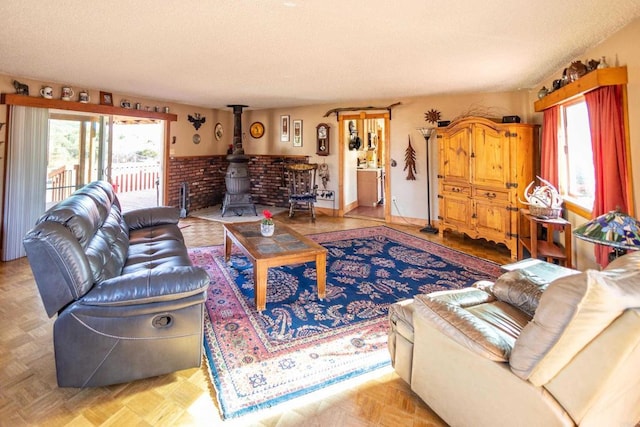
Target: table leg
pixel 260 274
pixel 321 274
pixel 227 246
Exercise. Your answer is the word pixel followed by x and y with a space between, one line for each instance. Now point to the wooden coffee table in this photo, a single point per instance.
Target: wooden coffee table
pixel 285 247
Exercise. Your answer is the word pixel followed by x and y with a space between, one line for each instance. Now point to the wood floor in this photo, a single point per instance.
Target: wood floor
pixel 29 394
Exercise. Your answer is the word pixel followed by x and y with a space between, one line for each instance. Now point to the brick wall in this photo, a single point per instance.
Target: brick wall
pixel 205 179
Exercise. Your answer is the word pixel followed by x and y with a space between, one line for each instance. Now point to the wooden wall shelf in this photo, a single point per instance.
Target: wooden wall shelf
pixel 58 104
pixel 586 83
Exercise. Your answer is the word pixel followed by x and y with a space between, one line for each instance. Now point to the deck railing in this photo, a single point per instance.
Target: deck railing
pixel 134 177
pixel 125 177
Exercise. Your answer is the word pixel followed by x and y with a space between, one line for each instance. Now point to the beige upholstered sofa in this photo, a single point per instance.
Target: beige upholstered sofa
pixel 512 354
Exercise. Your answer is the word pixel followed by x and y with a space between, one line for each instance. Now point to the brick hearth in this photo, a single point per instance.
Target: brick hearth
pixel 205 178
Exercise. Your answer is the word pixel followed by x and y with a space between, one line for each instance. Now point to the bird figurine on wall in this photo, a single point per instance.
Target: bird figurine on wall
pixel 196 120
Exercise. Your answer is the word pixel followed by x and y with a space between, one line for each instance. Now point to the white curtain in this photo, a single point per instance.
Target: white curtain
pixel 24 199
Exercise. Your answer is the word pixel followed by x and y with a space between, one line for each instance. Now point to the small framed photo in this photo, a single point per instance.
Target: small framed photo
pixel 297 133
pixel 284 128
pixel 106 98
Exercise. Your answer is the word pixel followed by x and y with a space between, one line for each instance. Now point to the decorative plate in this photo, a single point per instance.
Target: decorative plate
pixel 257 129
pixel 196 138
pixel 218 132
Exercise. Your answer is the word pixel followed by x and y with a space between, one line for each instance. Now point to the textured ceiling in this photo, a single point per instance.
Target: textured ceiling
pixel 284 53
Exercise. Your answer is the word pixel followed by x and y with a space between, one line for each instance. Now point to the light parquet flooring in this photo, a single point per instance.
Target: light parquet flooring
pixel 29 394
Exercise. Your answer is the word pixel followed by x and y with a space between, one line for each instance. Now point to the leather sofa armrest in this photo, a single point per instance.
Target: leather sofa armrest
pixel 149 217
pixel 446 312
pixel 149 286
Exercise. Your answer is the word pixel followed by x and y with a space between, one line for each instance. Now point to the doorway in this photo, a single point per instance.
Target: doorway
pixel 125 151
pixel 137 162
pixel 364 162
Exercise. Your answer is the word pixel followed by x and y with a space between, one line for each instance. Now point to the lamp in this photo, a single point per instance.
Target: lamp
pixel 615 229
pixel 426 133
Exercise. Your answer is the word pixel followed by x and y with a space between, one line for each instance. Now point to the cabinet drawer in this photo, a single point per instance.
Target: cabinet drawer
pixel 490 194
pixel 456 189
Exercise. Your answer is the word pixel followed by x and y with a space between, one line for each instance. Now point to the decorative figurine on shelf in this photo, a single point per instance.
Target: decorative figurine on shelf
pixel 410 161
pixel 603 64
pixel 21 88
pixel 576 70
pixel 543 92
pixel 592 65
pixel 544 201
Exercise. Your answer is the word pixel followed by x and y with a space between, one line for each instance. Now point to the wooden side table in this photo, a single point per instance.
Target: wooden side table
pixel 530 237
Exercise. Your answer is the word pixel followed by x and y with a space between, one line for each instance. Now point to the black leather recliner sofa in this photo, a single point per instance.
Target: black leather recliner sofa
pixel 129 302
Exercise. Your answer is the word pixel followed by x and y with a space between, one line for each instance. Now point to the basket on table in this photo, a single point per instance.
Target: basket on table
pixel 545 212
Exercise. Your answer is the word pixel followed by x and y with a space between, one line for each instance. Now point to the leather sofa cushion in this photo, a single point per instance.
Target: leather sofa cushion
pixel 474 319
pixel 142 218
pixel 147 286
pixel 572 312
pixel 107 250
pixel 515 288
pixel 79 214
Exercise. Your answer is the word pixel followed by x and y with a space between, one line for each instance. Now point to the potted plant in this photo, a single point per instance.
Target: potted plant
pixel 267 225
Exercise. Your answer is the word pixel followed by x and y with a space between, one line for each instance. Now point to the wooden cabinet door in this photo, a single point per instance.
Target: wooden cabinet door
pixel 454 155
pixel 489 157
pixel 455 212
pixel 492 220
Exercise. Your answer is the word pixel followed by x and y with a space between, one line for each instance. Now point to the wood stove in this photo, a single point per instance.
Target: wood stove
pixel 237 197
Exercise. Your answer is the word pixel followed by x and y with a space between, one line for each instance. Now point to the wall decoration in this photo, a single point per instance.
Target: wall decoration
pixel 256 130
pixel 218 132
pixel 322 139
pixel 323 173
pixel 297 133
pixel 432 116
pixel 410 161
pixel 106 98
pixel 196 120
pixel 284 128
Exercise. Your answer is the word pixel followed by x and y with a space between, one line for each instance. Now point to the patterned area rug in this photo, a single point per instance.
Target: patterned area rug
pixel 300 344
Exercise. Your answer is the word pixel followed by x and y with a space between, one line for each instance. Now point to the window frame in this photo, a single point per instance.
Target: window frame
pixel 571 202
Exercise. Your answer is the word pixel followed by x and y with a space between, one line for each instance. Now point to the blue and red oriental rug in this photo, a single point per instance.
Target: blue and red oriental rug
pixel 301 344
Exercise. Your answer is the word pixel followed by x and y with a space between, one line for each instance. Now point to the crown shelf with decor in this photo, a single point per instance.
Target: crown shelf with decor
pixel 58 104
pixel 590 81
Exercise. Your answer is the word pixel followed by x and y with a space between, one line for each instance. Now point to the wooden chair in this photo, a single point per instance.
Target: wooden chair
pixel 302 187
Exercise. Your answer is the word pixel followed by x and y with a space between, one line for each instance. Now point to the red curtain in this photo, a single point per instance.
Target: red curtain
pixel 549 146
pixel 606 121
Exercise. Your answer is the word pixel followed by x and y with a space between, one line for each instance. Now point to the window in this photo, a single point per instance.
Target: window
pixel 576 173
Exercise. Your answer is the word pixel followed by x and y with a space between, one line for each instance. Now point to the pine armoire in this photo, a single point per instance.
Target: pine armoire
pixel 484 165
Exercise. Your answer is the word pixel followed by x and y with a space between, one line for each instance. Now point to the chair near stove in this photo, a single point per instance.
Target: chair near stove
pixel 303 189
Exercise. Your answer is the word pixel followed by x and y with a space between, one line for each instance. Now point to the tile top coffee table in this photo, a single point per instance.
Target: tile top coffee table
pixel 285 247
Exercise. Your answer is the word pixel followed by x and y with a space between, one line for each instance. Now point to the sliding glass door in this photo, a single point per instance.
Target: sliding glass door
pixel 126 152
pixel 78 153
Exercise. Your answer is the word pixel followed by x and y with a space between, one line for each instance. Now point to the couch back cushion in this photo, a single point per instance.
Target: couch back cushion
pixel 78 242
pixel 107 250
pixel 572 312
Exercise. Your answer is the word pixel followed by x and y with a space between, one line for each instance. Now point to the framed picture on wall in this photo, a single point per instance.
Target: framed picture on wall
pixel 106 98
pixel 284 128
pixel 297 133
